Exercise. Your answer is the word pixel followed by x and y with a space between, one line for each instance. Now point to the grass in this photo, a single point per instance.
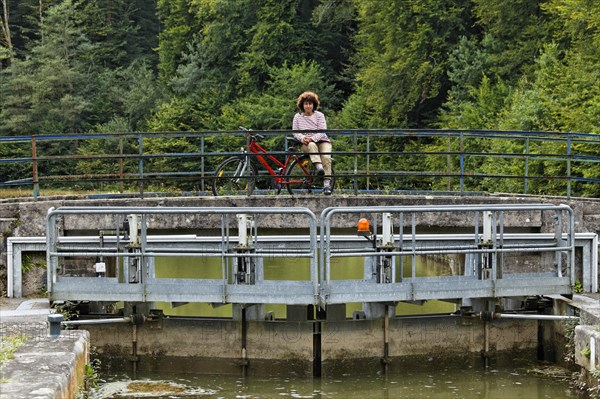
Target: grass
pixel 28 193
pixel 8 346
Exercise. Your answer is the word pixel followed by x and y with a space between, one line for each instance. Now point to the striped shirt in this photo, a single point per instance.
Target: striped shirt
pixel 316 121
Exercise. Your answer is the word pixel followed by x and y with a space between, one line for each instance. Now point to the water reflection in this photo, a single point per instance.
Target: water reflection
pixel 414 384
pixel 295 269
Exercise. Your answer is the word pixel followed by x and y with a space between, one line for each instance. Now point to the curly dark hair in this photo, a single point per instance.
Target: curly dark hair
pixel 308 96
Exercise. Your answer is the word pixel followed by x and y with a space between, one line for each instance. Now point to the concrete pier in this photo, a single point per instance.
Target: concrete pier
pixel 43 366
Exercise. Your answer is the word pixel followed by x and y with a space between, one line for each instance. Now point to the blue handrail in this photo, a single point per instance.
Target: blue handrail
pixel 362 160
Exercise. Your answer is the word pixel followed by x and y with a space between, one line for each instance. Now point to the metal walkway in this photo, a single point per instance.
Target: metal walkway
pixel 119 264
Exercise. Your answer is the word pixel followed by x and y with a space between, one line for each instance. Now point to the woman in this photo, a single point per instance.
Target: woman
pixel 313 138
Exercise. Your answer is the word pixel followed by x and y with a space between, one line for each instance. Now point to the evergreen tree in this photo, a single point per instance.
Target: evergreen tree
pixel 45 88
pixel 177 29
pixel 402 52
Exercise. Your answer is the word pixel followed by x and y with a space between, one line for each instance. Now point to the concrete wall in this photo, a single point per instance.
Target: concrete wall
pixel 47 367
pixel 288 346
pixel 27 218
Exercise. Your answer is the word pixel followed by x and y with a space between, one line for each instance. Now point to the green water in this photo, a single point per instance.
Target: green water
pixel 292 269
pixel 429 380
pixel 472 383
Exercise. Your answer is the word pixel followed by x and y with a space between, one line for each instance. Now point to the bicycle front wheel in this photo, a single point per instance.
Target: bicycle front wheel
pixel 234 176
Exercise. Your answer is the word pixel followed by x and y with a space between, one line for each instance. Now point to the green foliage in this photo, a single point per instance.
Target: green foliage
pixel 586 351
pixel 512 34
pixel 176 30
pixel 92 372
pixel 31 262
pixel 402 57
pixel 481 112
pixel 9 343
pixel 276 106
pixel 569 333
pixel 185 65
pixel 43 92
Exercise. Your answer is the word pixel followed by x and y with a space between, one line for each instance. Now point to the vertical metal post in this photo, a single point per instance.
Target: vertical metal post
pixel 487 227
pixel 559 242
pixel 133 263
pixel 526 173
pixel 51 260
pixel 386 340
pixel 141 164
pixel 134 349
pixel 500 255
pixel 368 165
pixel 486 242
pixel 143 268
pixel 202 163
pixel 385 268
pixel 244 353
pixel 494 255
pixel 462 163
pixel 401 246
pixel 245 266
pixel 355 163
pixel 449 163
pixel 414 245
pixel 36 183
pixel 569 166
pixel 121 164
pixel 387 235
pixel 571 243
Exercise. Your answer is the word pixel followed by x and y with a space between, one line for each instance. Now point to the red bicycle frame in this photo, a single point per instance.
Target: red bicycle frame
pixel 261 153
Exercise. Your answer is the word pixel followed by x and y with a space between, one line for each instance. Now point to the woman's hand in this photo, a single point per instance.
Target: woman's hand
pixel 307 139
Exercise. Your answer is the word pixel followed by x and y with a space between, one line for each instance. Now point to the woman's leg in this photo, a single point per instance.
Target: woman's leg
pixel 325 150
pixel 325 158
pixel 312 149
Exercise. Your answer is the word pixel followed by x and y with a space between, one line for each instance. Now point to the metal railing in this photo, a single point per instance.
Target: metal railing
pixel 488 261
pixel 487 256
pixel 383 161
pixel 123 256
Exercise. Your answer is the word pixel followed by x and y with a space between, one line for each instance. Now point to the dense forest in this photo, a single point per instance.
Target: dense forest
pixel 83 66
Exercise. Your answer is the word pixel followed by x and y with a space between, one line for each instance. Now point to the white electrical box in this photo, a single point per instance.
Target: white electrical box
pixel 100 267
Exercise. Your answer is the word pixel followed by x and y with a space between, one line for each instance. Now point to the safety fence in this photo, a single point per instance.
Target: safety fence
pixel 381 161
pixel 254 263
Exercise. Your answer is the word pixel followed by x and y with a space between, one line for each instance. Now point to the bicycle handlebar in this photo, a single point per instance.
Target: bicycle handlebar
pixel 257 136
pixel 254 136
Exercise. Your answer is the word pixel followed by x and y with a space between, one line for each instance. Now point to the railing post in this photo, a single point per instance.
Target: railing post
pixel 526 182
pixel 449 162
pixel 36 183
pixel 355 163
pixel 141 164
pixel 368 165
pixel 462 163
pixel 121 164
pixel 569 166
pixel 202 160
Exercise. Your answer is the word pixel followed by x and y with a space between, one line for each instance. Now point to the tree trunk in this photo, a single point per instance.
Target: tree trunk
pixel 7 40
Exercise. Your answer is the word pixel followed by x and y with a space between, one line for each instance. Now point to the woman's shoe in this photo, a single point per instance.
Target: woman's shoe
pixel 327 190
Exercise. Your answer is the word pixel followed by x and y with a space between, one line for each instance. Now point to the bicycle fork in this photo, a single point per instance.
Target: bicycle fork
pixel 240 170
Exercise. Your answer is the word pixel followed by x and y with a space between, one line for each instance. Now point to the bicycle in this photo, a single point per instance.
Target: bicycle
pixel 239 173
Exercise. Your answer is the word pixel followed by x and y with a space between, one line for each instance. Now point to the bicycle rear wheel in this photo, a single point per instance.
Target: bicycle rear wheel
pixel 300 177
pixel 234 176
